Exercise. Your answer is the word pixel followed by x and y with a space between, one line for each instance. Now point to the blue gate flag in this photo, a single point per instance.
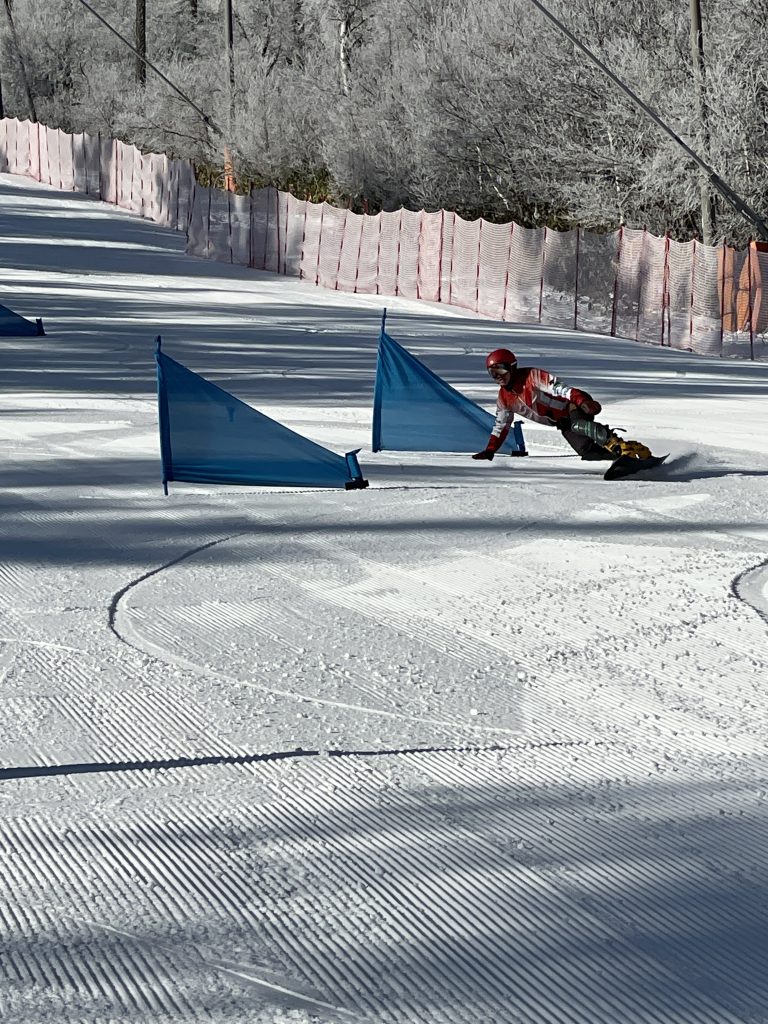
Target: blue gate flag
pixel 209 436
pixel 14 326
pixel 414 410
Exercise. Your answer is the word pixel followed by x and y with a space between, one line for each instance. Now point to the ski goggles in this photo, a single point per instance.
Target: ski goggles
pixel 499 371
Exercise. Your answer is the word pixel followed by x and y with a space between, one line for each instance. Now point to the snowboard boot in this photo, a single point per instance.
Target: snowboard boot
pixel 618 446
pixel 603 437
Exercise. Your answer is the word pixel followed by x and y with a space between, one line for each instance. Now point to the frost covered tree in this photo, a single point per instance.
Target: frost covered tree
pixel 13 53
pixel 483 108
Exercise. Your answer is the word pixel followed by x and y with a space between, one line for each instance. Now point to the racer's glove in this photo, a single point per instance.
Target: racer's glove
pixel 589 407
pixel 584 402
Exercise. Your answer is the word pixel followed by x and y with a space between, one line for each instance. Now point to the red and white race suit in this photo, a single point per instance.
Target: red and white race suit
pixel 539 396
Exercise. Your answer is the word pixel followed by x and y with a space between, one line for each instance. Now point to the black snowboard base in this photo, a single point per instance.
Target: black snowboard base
pixel 626 465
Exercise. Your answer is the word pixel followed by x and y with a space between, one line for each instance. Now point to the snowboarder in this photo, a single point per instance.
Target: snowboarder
pixel 540 396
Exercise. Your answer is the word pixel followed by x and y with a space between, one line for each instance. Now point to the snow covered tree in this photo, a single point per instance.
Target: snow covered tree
pixel 484 108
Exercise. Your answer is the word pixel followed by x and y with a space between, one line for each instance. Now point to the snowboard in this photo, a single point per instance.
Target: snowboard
pixel 626 465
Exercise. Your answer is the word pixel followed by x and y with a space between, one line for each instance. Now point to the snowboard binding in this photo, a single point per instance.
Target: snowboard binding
pixel 626 449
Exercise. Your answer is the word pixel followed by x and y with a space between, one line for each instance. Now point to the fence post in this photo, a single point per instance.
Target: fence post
pixel 57 183
pixel 399 236
pixel 749 308
pixel 665 288
pixel 71 139
pixel 341 250
pixel 208 228
pixel 319 244
pixel 359 251
pixel 541 283
pixel 440 258
pixel 277 230
pixel 303 239
pixel 191 202
pixel 724 257
pixel 693 285
pixel 117 171
pixel 193 175
pixel 378 256
pixel 141 183
pixel 250 226
pixel 450 269
pixel 619 246
pixel 506 276
pixel 418 254
pixel 576 284
pixel 288 198
pixel 229 226
pixel 76 159
pixel 177 167
pixel 477 270
pixel 640 283
pixel 101 191
pixel 266 235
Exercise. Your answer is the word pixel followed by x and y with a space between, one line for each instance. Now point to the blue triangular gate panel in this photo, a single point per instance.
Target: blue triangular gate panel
pixel 14 326
pixel 209 436
pixel 414 410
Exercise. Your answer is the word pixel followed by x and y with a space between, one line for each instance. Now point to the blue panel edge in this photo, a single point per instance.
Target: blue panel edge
pixel 164 420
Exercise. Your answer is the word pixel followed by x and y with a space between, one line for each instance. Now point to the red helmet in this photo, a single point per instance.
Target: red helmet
pixel 501 358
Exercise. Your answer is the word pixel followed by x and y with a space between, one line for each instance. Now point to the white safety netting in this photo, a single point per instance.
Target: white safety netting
pixel 679 282
pixel 495 241
pixel 558 286
pixel 148 184
pixel 329 253
pixel 706 311
pixel 524 297
pixel 629 283
pixel 349 253
pixel 596 269
pixel 430 256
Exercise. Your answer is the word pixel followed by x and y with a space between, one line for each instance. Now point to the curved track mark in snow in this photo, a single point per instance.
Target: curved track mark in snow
pixel 120 594
pixel 751 587
pixel 143 646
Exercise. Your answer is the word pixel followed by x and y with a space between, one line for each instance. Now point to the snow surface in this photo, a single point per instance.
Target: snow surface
pixel 485 742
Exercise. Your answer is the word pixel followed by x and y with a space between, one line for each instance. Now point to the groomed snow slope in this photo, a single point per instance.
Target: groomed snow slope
pixel 482 743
